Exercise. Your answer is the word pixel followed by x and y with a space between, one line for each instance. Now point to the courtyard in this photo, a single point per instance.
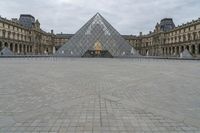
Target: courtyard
pixel 98 95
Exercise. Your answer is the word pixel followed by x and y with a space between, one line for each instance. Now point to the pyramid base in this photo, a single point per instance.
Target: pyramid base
pixel 97 54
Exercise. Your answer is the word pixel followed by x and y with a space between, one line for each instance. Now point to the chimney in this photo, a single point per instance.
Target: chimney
pixel 51 31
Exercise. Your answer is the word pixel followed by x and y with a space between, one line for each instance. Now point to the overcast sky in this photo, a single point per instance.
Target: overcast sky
pixel 127 16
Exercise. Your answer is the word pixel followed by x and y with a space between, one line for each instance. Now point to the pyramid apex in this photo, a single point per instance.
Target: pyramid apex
pixel 98 13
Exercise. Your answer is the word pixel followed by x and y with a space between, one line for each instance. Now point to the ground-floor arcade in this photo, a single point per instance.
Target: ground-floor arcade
pixel 24 48
pixel 173 50
pixel 17 47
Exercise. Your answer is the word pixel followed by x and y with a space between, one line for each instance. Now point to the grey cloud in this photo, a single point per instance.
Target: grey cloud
pixel 127 16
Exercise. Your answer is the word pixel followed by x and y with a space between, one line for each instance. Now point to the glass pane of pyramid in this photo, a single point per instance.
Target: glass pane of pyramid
pixel 97 38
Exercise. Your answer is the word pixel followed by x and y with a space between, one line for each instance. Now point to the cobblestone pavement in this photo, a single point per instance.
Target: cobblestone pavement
pixel 72 95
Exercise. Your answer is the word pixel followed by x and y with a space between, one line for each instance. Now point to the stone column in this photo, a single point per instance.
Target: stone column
pixel 175 50
pixel 196 49
pixel 164 52
pixel 190 48
pixel 3 45
pixel 171 50
pixel 168 51
pixel 54 50
pixel 25 50
pixel 9 45
pixel 13 48
pixel 184 47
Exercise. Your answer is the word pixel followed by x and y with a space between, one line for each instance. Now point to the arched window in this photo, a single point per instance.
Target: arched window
pixel 4 33
pixel 184 38
pixel 189 37
pixel 194 36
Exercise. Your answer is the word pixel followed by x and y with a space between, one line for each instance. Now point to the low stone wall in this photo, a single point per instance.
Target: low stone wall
pixel 53 56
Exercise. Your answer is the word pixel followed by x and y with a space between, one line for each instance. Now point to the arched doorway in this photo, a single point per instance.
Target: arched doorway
pixel 193 49
pixel 163 51
pixel 173 50
pixel 20 48
pixel 15 48
pixel 6 44
pixel 11 47
pixel 199 49
pixel 24 49
pixel 97 51
pixel 27 48
pixel 187 47
pixel 31 49
pixel 182 48
pixel 1 46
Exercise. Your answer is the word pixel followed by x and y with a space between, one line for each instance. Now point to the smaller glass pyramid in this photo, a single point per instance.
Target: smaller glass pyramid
pixel 97 38
pixel 6 52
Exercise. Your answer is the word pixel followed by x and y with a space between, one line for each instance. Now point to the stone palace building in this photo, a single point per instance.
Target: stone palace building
pixel 25 36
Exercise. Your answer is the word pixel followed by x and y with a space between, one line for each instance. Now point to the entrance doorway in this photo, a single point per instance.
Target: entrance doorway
pixel 100 54
pixel 97 51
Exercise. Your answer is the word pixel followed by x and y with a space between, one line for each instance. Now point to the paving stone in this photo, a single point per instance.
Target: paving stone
pixel 65 95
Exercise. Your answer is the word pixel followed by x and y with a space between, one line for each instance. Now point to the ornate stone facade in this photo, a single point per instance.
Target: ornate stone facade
pixel 171 42
pixel 23 40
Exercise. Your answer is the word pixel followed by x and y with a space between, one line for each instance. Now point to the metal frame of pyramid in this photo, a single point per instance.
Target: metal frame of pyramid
pixel 97 29
pixel 6 52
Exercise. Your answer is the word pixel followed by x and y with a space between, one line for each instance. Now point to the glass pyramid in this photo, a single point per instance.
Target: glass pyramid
pixel 97 38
